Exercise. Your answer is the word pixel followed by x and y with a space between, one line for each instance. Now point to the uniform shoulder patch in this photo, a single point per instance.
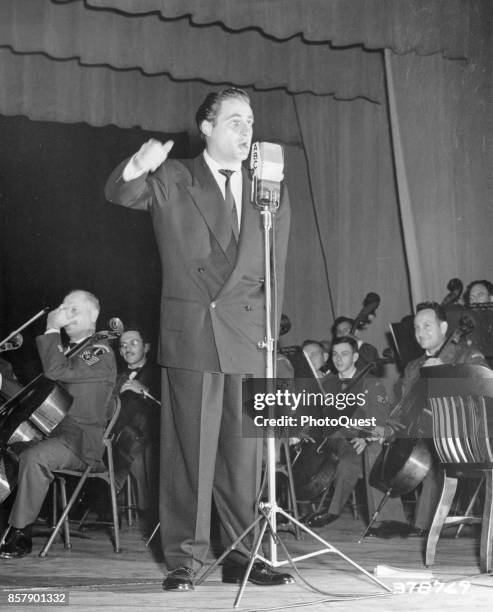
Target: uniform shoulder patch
pixel 89 356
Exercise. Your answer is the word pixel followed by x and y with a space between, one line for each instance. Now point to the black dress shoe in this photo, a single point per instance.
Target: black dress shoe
pixel 179 579
pixel 391 529
pixel 17 544
pixel 261 574
pixel 319 519
pixel 418 533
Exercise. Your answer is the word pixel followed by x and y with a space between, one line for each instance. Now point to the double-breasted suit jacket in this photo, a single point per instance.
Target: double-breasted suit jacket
pixel 213 306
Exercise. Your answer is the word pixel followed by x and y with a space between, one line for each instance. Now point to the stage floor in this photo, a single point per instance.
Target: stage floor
pixel 95 578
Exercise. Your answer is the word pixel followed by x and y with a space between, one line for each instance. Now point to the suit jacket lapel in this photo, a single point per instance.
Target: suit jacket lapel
pixel 208 199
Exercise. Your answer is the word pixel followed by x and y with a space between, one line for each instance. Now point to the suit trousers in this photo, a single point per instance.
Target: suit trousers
pixel 204 454
pixel 37 463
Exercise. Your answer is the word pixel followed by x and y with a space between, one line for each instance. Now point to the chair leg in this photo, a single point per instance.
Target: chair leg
pixel 486 547
pixel 154 531
pixel 470 506
pixel 65 512
pixel 114 506
pixel 130 520
pixel 441 513
pixel 66 526
pixel 54 505
pixel 5 534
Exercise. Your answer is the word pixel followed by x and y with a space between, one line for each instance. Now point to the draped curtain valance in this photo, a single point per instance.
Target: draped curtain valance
pixel 184 52
pixel 423 26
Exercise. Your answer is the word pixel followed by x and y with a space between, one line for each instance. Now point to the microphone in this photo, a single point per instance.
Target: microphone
pixel 266 170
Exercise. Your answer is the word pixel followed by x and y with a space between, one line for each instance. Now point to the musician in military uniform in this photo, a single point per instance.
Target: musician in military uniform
pixel 89 376
pixel 430 328
pixel 358 451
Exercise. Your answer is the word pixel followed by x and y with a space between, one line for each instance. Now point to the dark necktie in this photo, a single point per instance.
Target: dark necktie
pixel 230 202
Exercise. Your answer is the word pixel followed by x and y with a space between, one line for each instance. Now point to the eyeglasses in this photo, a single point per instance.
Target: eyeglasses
pixel 134 342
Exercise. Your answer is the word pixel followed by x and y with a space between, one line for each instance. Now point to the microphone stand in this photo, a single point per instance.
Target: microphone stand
pixel 270 509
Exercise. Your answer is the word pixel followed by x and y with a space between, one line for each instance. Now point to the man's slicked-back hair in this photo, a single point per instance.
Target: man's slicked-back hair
pixel 140 329
pixel 210 107
pixel 346 340
pixel 435 306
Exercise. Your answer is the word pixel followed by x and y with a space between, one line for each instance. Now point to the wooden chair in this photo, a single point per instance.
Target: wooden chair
pixel 101 470
pixel 460 400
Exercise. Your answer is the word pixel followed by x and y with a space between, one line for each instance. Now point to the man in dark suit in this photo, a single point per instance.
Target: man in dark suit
pixel 136 446
pixel 210 240
pixel 77 441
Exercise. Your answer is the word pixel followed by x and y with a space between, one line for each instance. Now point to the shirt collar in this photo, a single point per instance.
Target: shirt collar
pixel 215 167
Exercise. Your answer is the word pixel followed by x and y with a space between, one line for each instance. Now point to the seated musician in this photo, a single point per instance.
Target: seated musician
pixel 478 292
pixel 76 442
pixel 367 352
pixel 136 448
pixel 353 453
pixel 316 357
pixel 430 328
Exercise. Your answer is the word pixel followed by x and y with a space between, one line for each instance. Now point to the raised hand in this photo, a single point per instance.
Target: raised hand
pixel 152 154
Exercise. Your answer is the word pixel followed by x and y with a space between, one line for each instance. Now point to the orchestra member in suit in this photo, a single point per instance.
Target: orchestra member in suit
pixel 210 240
pixel 77 441
pixel 367 352
pixel 136 446
pixel 357 454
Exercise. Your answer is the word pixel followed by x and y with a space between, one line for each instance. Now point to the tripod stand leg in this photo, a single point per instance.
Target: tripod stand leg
pixel 253 556
pixel 232 547
pixel 292 492
pixel 382 503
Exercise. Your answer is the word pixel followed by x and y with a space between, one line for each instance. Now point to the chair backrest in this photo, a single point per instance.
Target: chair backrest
pixel 460 399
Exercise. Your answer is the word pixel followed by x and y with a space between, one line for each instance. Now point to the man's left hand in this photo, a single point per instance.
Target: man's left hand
pixel 133 385
pixel 359 445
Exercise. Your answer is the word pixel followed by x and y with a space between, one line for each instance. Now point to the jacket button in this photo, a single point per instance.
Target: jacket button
pixel 213 304
pixel 200 270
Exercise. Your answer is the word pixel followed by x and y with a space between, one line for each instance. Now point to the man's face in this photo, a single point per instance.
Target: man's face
pixel 430 332
pixel 230 137
pixel 479 294
pixel 82 316
pixel 343 329
pixel 133 349
pixel 316 355
pixel 344 357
